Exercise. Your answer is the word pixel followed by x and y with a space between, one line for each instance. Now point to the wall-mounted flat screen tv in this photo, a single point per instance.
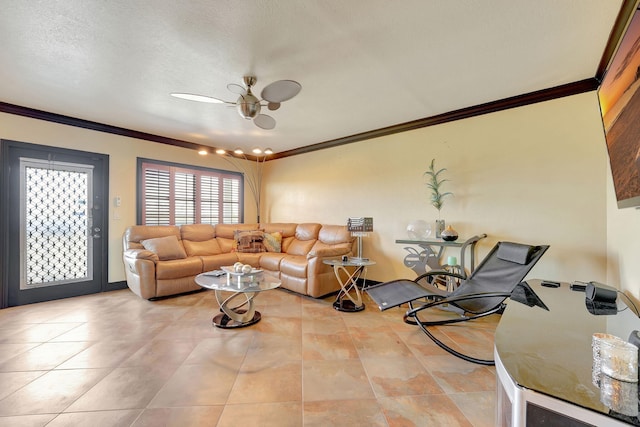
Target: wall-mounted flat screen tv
pixel 620 108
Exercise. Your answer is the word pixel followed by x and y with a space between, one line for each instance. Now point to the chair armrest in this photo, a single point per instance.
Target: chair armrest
pixel 134 254
pixel 439 273
pixel 424 281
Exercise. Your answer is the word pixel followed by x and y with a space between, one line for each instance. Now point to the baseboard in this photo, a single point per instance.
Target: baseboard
pixel 365 283
pixel 115 286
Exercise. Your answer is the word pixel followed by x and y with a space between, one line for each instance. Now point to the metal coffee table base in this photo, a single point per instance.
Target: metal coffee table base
pixel 223 321
pixel 234 316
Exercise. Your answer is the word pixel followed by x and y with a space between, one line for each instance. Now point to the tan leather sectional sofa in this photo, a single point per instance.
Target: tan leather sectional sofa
pixel 164 260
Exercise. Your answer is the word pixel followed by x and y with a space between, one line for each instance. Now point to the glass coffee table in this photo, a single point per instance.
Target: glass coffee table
pixel 235 294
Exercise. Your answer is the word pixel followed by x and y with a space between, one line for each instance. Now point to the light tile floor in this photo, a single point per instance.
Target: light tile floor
pixel 114 359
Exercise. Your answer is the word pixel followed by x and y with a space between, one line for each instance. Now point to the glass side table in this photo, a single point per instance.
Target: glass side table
pixel 349 298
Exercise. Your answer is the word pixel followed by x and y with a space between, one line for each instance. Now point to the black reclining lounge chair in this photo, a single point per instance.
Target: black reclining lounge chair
pixel 483 293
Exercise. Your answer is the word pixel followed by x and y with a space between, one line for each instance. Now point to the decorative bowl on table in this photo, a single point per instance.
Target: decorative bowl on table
pixel 230 270
pixel 240 277
pixel 419 230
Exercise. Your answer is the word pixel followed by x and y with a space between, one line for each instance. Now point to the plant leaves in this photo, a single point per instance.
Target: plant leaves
pixel 434 184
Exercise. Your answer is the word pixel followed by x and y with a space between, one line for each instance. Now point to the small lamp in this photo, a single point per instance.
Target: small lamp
pixel 360 227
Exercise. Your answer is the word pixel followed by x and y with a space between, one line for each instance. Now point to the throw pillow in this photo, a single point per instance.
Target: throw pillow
pixel 249 241
pixel 273 241
pixel 165 247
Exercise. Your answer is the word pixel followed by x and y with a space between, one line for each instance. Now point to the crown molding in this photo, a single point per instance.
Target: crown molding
pixel 575 88
pixel 464 113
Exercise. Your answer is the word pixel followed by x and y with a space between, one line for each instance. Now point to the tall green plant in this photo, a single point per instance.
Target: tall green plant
pixel 434 183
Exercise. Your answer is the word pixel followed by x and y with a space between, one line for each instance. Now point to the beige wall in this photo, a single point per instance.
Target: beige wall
pixel 534 174
pixel 122 153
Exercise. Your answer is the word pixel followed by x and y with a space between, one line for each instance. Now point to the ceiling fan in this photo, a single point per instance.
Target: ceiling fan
pixel 248 105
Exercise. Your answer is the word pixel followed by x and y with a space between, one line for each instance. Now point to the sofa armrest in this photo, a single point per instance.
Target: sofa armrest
pixel 140 271
pixel 134 254
pixel 323 251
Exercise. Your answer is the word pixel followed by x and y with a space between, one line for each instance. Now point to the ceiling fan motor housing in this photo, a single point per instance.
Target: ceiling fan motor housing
pixel 248 105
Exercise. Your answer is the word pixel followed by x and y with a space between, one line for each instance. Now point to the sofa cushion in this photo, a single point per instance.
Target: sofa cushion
pixel 286 228
pixel 271 261
pixel 207 247
pixel 214 262
pixel 168 247
pixel 227 231
pixel 333 234
pixel 178 268
pixel 273 241
pixel 300 247
pixel 307 231
pixel 249 241
pixel 303 241
pixel 197 232
pixel 295 266
pixel 253 259
pixel 226 245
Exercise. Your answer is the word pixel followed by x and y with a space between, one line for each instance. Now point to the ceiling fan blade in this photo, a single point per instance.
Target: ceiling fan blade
pixel 273 106
pixel 236 89
pixel 265 122
pixel 198 98
pixel 280 91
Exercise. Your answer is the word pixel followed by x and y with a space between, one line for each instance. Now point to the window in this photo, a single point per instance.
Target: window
pixel 175 194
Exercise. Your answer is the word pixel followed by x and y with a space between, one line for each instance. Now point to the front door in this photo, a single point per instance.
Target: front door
pixel 56 222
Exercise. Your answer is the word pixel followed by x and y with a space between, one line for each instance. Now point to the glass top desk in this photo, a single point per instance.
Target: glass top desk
pixel 544 362
pixel 432 250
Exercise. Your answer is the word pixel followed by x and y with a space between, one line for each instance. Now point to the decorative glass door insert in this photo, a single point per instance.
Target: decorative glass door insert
pixel 55 230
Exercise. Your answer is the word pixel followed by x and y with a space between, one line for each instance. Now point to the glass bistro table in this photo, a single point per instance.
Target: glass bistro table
pixel 235 294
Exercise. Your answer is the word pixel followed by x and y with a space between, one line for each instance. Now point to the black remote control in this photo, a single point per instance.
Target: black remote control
pixel 550 284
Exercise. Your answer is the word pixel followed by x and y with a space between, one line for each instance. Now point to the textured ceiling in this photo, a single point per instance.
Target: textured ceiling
pixel 363 65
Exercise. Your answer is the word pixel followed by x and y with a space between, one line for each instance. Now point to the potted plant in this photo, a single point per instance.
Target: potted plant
pixel 434 182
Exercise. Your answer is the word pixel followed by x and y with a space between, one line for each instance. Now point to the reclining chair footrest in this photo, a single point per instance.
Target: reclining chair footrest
pixel 393 294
